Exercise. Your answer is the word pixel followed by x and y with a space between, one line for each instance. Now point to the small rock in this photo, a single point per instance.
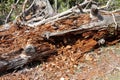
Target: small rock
pixel 101 41
pixel 29 48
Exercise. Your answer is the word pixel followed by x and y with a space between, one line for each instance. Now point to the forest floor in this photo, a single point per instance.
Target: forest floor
pixel 79 57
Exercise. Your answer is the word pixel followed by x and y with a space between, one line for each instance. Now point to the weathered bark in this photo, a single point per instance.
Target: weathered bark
pixel 24 56
pixel 40 5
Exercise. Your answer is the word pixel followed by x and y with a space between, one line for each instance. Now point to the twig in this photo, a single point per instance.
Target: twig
pixel 30 6
pixel 56 4
pixel 117 10
pixel 88 4
pixel 116 25
pixel 24 11
pixel 80 8
pixel 60 18
pixel 107 5
pixel 37 18
pixel 7 18
pixel 24 4
pixel 23 8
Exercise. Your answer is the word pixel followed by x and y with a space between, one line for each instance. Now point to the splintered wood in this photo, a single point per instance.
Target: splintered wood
pixel 20 45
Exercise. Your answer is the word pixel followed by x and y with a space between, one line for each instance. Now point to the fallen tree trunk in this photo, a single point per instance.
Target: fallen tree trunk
pixel 19 36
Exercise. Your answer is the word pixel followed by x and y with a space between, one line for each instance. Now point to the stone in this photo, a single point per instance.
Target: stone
pixel 29 49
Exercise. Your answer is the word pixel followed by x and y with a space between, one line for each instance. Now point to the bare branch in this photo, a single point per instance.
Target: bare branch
pixel 56 4
pixel 116 25
pixel 59 18
pixel 24 4
pixel 107 5
pixel 30 6
pixel 23 7
pixel 13 7
pixel 80 8
pixel 24 11
pixel 69 11
pixel 88 4
pixel 117 10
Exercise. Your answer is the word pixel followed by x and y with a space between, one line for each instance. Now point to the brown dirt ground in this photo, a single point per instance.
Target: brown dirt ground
pixel 79 57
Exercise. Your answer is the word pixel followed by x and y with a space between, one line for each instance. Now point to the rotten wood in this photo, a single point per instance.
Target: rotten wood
pixel 20 57
pixel 94 25
pixel 28 53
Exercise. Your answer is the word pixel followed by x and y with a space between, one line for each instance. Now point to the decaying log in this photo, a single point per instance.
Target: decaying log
pixel 94 25
pixel 24 56
pixel 28 53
